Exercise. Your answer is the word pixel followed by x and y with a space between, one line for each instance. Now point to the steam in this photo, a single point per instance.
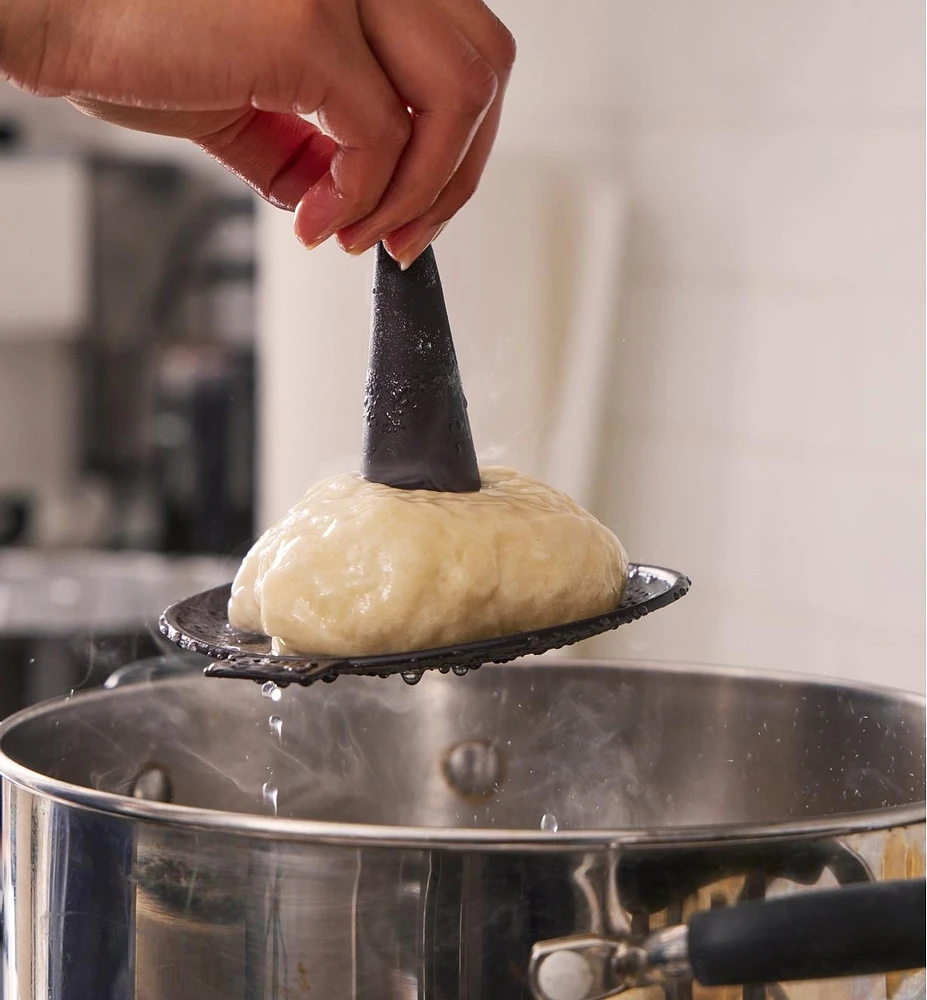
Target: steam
pixel 590 751
pixel 574 752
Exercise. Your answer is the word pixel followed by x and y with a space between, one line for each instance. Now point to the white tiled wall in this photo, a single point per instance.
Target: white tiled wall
pixel 764 428
pixel 767 418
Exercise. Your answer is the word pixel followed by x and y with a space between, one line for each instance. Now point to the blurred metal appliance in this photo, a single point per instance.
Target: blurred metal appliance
pixel 168 359
pixel 69 619
pixel 150 260
pixel 529 832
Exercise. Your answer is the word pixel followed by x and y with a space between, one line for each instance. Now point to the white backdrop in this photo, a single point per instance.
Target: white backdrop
pixel 763 424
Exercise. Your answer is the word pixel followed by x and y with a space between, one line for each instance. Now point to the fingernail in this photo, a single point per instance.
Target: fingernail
pixel 312 244
pixel 409 250
pixel 354 249
pixel 317 215
pixel 355 241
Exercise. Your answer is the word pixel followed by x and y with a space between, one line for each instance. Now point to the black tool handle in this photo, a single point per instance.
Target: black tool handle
pixel 416 429
pixel 856 931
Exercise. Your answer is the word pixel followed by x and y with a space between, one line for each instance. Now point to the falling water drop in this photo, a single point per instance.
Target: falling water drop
pixel 275 724
pixel 270 795
pixel 411 676
pixel 549 823
pixel 270 690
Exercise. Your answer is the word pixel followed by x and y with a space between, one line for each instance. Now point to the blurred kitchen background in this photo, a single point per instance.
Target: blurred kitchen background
pixel 690 292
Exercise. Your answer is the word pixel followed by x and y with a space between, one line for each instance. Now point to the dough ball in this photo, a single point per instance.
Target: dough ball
pixel 358 568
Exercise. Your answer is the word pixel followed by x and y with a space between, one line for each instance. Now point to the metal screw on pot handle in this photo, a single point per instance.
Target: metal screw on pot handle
pixel 571 968
pixel 860 930
pixel 581 968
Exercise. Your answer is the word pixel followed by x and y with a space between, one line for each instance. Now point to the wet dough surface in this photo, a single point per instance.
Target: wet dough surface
pixel 358 568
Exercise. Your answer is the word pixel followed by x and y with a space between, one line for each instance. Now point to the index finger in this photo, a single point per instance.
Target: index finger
pixel 280 155
pixel 450 85
pixel 371 127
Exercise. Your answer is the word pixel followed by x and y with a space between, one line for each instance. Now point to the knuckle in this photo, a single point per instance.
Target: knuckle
pixel 395 128
pixel 478 85
pixel 504 48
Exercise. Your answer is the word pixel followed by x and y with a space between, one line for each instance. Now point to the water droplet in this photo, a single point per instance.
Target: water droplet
pixel 269 792
pixel 275 723
pixel 270 690
pixel 460 671
pixel 412 676
pixel 549 823
pixel 444 670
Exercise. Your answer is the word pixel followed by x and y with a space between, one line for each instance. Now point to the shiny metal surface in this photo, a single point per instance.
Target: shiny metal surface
pixel 674 789
pixel 643 754
pixel 667 952
pixel 592 967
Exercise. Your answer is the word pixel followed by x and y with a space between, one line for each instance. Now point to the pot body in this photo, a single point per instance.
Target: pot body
pixel 413 854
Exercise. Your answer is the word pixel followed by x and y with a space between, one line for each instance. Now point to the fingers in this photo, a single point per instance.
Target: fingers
pixel 409 92
pixel 371 126
pixel 424 193
pixel 406 243
pixel 450 87
pixel 280 155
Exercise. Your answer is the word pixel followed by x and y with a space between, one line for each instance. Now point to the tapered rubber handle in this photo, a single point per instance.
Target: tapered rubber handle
pixel 416 429
pixel 859 930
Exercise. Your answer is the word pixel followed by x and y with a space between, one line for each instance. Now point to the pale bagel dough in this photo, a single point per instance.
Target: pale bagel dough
pixel 361 568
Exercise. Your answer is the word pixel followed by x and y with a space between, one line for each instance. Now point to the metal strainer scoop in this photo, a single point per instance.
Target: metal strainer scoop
pixel 417 436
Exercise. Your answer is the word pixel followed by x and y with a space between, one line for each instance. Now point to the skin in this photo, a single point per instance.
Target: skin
pixel 408 94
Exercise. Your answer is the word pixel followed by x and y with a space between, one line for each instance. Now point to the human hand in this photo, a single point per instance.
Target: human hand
pixel 408 93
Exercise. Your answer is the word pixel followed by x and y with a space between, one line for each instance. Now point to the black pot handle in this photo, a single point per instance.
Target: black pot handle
pixel 854 931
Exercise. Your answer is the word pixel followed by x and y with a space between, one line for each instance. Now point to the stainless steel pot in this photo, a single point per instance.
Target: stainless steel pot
pixel 547 829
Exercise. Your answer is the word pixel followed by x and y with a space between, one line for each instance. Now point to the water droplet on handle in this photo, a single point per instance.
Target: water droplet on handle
pixel 412 676
pixel 460 671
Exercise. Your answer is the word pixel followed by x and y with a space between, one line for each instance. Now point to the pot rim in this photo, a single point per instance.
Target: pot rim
pixel 494 839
